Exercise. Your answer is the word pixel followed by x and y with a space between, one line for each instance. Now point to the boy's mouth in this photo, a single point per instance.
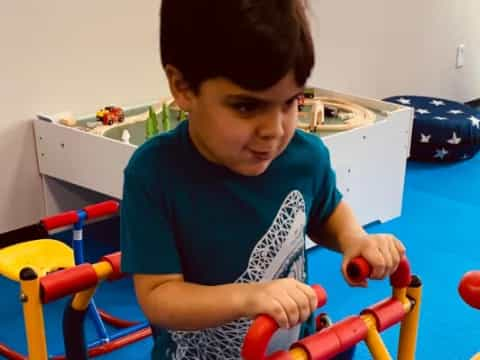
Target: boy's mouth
pixel 262 155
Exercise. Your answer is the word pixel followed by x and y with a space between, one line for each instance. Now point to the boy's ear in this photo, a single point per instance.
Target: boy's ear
pixel 179 88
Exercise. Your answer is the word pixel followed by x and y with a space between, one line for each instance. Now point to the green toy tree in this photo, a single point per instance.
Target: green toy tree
pixel 151 125
pixel 165 117
pixel 182 115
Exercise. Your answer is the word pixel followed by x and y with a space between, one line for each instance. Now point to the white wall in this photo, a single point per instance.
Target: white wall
pixel 381 48
pixel 59 55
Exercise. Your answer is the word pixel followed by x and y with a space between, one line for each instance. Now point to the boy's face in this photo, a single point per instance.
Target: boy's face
pixel 241 129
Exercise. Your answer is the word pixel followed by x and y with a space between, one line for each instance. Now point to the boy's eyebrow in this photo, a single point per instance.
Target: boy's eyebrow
pixel 251 98
pixel 245 98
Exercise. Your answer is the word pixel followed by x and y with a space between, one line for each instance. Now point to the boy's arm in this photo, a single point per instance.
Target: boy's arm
pixel 338 229
pixel 342 232
pixel 172 303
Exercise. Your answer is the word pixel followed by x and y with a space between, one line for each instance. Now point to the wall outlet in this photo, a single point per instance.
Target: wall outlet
pixel 460 56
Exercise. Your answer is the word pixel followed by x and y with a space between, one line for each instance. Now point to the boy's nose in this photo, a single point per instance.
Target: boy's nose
pixel 272 125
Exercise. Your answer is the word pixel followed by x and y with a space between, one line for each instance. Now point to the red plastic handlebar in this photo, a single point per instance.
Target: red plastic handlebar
pixel 359 269
pixel 469 288
pixel 60 220
pixel 105 208
pixel 264 327
pixel 69 218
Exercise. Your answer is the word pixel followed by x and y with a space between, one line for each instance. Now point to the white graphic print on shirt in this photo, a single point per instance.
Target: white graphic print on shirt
pixel 278 254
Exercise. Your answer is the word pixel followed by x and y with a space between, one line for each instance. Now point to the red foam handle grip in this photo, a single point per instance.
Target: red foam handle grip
pixel 335 339
pixel 469 288
pixel 264 327
pixel 359 270
pixel 69 281
pixel 105 208
pixel 59 220
pixel 115 260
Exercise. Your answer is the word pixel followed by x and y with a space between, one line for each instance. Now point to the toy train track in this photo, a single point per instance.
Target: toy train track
pixel 312 118
pixel 316 114
pixel 313 115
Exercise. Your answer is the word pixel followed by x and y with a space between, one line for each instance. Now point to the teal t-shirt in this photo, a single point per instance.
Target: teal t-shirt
pixel 183 214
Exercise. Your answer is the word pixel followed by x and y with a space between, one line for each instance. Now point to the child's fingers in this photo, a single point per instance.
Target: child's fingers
pixel 300 296
pixel 375 256
pixel 279 314
pixel 397 251
pixel 396 256
pixel 290 308
pixel 389 259
pixel 400 247
pixel 310 295
pixel 390 252
pixel 382 251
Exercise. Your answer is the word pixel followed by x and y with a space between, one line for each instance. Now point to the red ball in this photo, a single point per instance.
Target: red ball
pixel 469 288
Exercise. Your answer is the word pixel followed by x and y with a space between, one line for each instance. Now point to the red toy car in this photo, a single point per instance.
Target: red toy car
pixel 110 114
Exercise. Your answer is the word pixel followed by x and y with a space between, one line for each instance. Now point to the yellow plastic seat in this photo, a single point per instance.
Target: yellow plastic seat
pixel 43 256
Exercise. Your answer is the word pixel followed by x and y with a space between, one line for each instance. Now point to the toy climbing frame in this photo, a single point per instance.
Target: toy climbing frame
pixel 369 160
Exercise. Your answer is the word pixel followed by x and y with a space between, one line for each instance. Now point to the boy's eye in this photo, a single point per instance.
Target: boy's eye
pixel 292 100
pixel 246 107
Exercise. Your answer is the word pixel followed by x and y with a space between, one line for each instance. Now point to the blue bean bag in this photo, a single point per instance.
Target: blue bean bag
pixel 443 130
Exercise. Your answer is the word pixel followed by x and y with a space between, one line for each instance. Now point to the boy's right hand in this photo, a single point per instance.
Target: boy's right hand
pixel 288 301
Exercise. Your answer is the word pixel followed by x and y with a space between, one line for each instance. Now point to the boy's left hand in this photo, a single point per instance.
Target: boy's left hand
pixel 382 251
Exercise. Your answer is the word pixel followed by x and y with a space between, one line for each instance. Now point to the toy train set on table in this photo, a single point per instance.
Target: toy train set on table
pixel 321 113
pixel 316 114
pixel 89 157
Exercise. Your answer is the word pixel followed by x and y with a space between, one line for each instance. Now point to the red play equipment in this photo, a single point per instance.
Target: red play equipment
pixel 403 307
pixel 469 289
pixel 80 281
pixel 24 260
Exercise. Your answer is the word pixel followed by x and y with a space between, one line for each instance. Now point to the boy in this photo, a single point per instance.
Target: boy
pixel 215 212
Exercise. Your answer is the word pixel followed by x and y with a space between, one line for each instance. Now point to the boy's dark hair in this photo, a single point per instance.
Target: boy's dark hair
pixel 253 43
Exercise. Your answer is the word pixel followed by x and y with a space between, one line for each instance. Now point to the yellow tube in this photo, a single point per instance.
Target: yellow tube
pixel 298 354
pixel 409 326
pixel 374 341
pixel 476 357
pixel 103 270
pixel 82 299
pixel 33 315
pixel 401 295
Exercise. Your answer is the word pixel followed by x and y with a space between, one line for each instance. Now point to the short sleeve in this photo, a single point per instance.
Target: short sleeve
pixel 327 196
pixel 147 238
